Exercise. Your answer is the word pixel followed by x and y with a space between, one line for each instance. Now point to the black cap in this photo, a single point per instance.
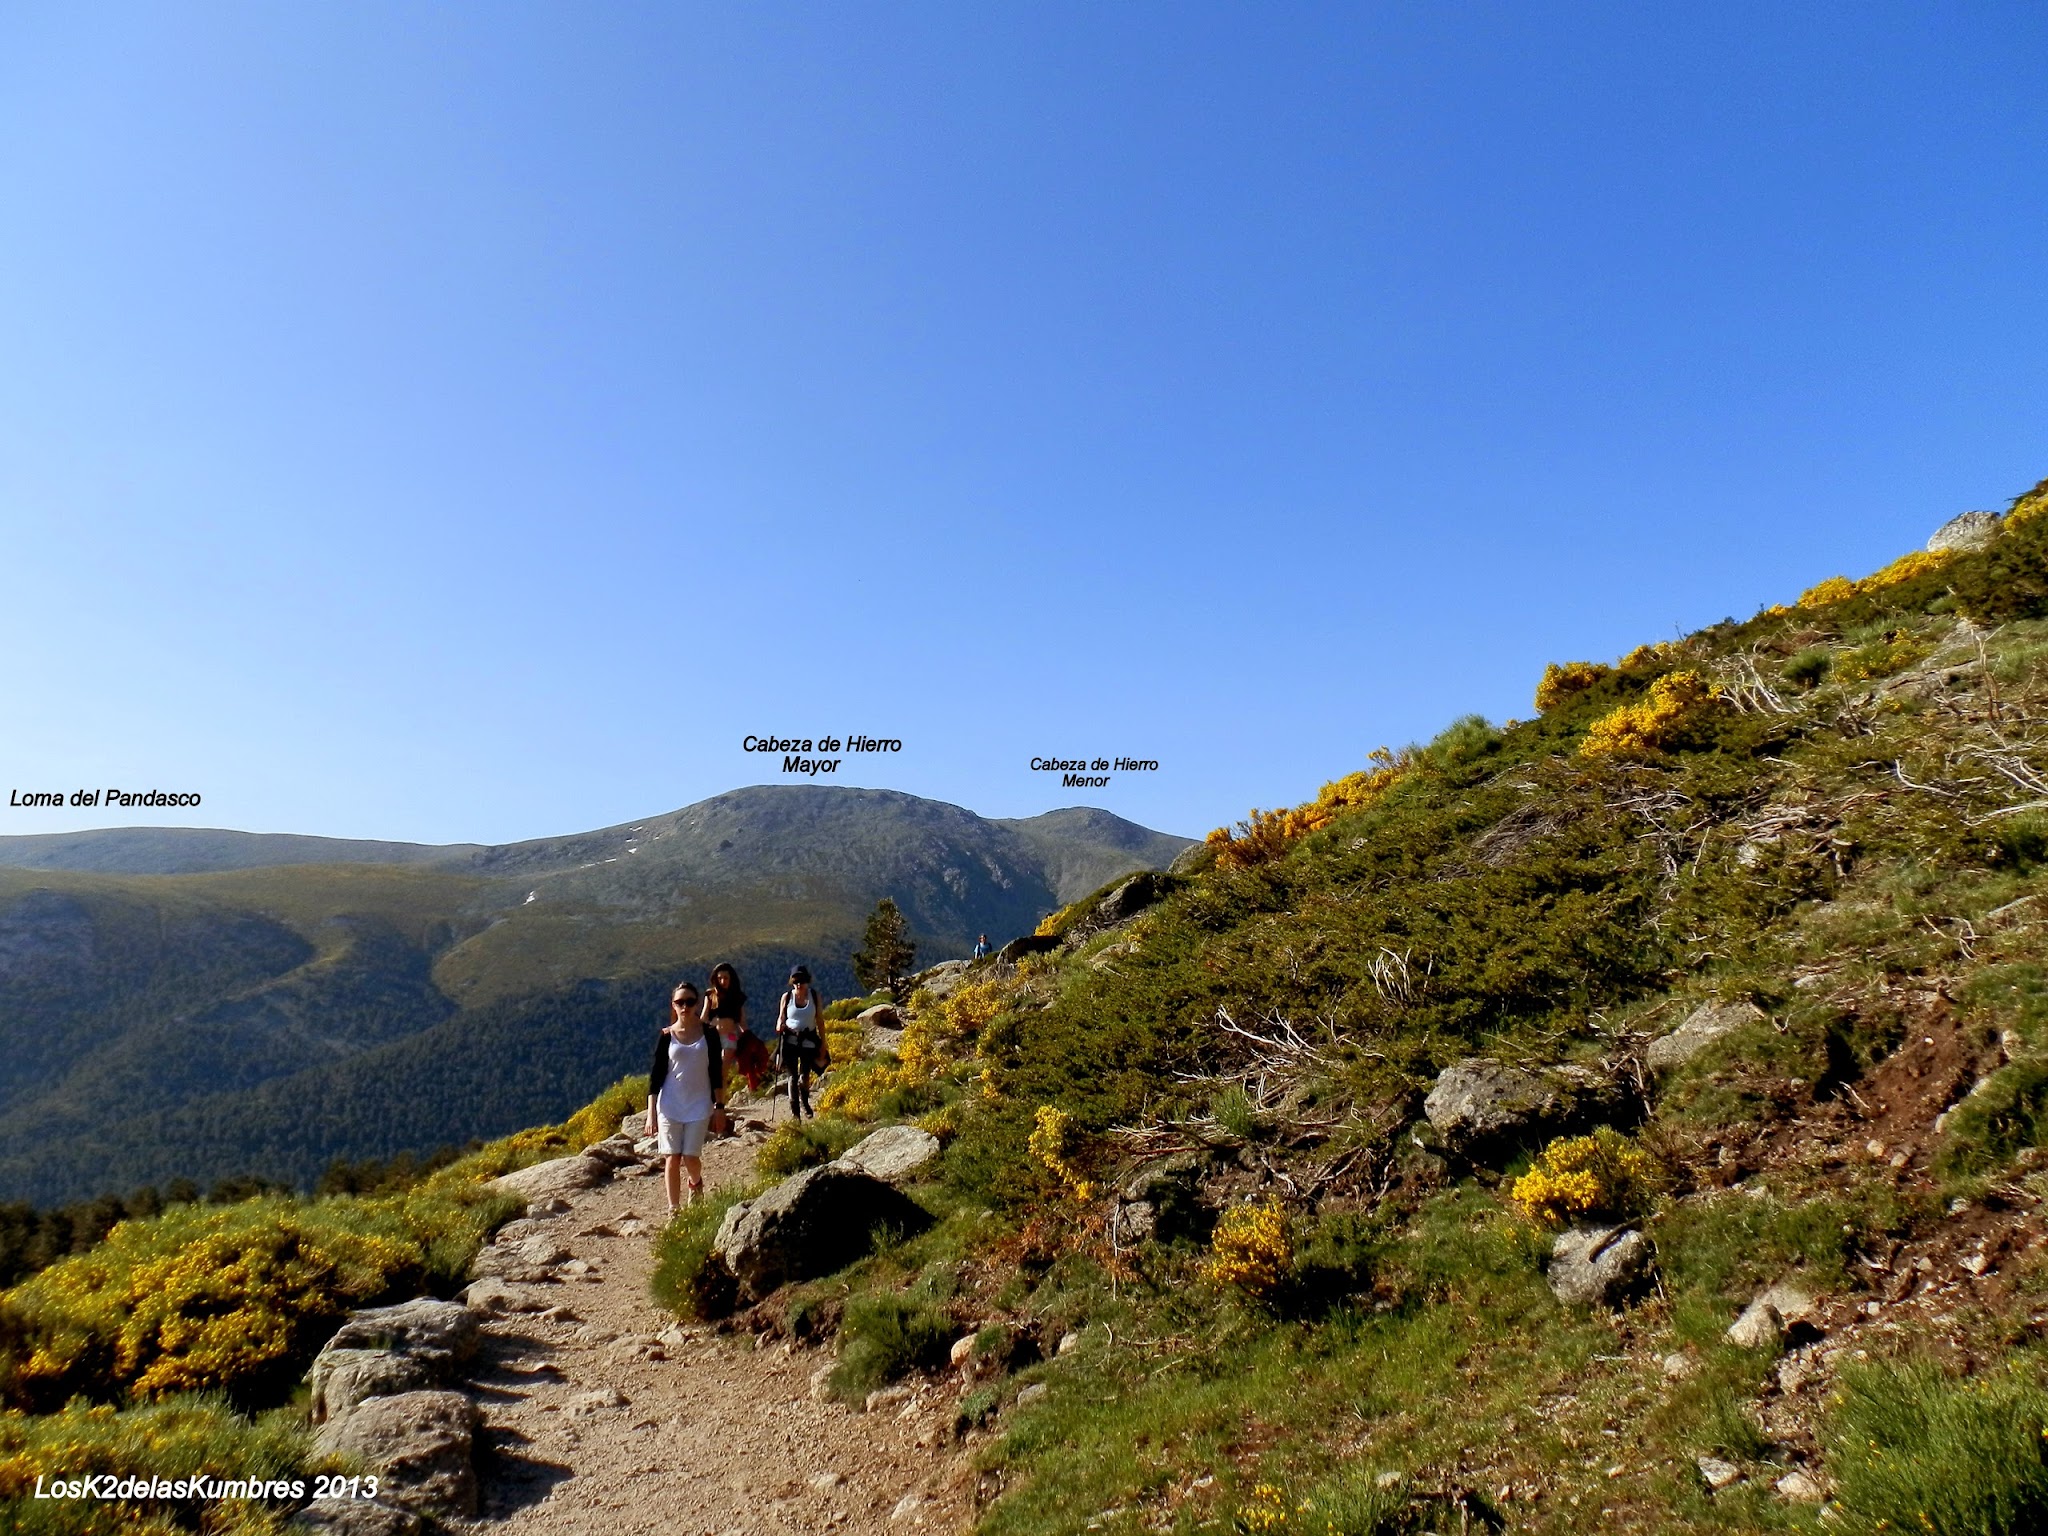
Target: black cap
pixel 800 974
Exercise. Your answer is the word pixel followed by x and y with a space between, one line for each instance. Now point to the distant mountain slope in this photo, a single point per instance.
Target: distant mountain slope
pixel 223 998
pixel 199 850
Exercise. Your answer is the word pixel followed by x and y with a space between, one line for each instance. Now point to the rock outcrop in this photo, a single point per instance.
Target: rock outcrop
pixel 1480 1106
pixel 555 1179
pixel 420 1445
pixel 892 1154
pixel 811 1224
pixel 1598 1266
pixel 1970 531
pixel 1702 1027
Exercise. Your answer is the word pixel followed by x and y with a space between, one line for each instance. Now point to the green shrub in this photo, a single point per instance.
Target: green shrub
pixel 1913 1450
pixel 886 1336
pixel 2010 1114
pixel 799 1144
pixel 2010 579
pixel 685 1279
pixel 1809 668
pixel 177 1438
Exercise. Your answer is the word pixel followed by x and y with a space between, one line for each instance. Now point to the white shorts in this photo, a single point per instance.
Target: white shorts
pixel 681 1136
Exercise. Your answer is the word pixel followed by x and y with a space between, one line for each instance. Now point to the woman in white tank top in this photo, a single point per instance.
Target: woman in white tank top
pixel 800 1027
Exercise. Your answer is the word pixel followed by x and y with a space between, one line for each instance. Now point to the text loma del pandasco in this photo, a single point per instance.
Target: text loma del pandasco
pixel 794 748
pixel 126 798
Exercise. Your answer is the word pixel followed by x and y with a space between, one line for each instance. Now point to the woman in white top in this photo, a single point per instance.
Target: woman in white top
pixel 800 1027
pixel 685 1082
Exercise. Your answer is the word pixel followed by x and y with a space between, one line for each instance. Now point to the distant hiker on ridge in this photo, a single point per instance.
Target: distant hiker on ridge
pixel 800 1025
pixel 981 946
pixel 685 1085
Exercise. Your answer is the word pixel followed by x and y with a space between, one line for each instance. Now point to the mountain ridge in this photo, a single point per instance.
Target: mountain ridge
pixel 195 991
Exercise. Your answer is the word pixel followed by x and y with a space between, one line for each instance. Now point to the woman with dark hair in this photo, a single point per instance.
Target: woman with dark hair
pixel 685 1086
pixel 725 1011
pixel 800 1027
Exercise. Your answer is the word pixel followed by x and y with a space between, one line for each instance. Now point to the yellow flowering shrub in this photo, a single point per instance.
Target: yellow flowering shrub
pixel 1057 1145
pixel 970 1007
pixel 1564 680
pixel 1648 655
pixel 1837 589
pixel 1657 720
pixel 1265 835
pixel 1905 568
pixel 174 1440
pixel 1879 659
pixel 1604 1174
pixel 1252 1249
pixel 2030 506
pixel 209 1297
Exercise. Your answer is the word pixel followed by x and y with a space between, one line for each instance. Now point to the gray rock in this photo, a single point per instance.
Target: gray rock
pixel 881 1016
pixel 1716 1473
pixel 1480 1105
pixel 355 1517
pixel 418 1443
pixel 1765 1321
pixel 811 1224
pixel 617 1150
pixel 1798 1488
pixel 442 1331
pixel 1970 530
pixel 1702 1027
pixel 943 979
pixel 1193 859
pixel 893 1153
pixel 1756 1328
pixel 343 1378
pixel 1134 1221
pixel 1032 1394
pixel 492 1297
pixel 1142 890
pixel 1598 1266
pixel 554 1180
pixel 1029 944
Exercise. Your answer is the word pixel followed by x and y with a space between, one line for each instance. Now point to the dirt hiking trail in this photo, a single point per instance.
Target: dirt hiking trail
pixel 603 1416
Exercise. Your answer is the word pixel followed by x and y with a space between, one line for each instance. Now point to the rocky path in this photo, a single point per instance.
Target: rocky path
pixel 601 1415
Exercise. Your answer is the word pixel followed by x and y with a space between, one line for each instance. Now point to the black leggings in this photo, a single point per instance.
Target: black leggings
pixel 800 1060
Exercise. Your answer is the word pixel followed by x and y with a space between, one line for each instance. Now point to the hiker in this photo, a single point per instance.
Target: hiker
pixel 685 1087
pixel 981 946
pixel 725 1011
pixel 800 1026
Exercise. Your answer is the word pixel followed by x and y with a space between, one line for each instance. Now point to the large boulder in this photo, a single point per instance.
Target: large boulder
pixel 943 979
pixel 442 1332
pixel 1971 530
pixel 816 1222
pixel 1142 890
pixel 1597 1266
pixel 1029 944
pixel 419 1444
pixel 343 1378
pixel 881 1016
pixel 556 1179
pixel 1480 1105
pixel 1702 1027
pixel 893 1153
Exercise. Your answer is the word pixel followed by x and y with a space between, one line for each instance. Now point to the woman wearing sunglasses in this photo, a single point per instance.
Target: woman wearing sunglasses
pixel 685 1084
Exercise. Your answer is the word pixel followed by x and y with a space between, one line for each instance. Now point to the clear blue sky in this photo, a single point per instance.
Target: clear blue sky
pixel 467 422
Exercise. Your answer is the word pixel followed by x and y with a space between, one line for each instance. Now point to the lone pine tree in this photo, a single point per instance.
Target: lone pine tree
pixel 883 960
